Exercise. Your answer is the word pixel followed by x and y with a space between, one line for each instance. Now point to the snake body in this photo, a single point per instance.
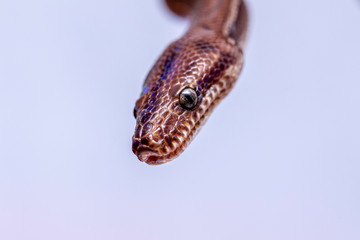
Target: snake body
pixel 190 78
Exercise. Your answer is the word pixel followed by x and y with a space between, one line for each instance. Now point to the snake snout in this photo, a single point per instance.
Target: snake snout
pixel 149 157
pixel 146 154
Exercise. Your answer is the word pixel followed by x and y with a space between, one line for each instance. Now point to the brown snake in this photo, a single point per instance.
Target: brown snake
pixel 190 78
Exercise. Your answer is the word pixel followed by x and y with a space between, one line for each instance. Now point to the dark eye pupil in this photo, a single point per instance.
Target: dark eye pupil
pixel 188 98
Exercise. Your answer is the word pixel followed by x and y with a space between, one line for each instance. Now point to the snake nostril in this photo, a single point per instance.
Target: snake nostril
pixel 135 144
pixel 144 141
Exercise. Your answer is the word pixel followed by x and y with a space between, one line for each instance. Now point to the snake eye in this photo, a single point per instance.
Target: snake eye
pixel 188 98
pixel 135 113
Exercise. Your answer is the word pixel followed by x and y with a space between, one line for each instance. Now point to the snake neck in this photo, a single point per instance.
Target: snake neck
pixel 227 18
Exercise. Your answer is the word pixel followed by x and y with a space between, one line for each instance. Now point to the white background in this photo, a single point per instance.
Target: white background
pixel 278 159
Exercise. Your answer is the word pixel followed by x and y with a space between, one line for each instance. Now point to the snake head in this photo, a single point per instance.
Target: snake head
pixel 179 93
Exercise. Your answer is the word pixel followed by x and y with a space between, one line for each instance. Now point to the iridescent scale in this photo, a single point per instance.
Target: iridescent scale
pixel 204 60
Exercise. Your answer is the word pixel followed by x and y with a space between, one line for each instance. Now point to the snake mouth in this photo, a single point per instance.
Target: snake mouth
pixel 148 156
pixel 151 158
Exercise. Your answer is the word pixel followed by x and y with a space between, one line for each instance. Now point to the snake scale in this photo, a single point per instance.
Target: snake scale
pixel 190 78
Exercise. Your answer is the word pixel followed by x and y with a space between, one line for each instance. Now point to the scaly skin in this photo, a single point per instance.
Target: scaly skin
pixel 205 60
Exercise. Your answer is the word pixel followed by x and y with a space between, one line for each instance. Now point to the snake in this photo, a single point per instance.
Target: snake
pixel 190 78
